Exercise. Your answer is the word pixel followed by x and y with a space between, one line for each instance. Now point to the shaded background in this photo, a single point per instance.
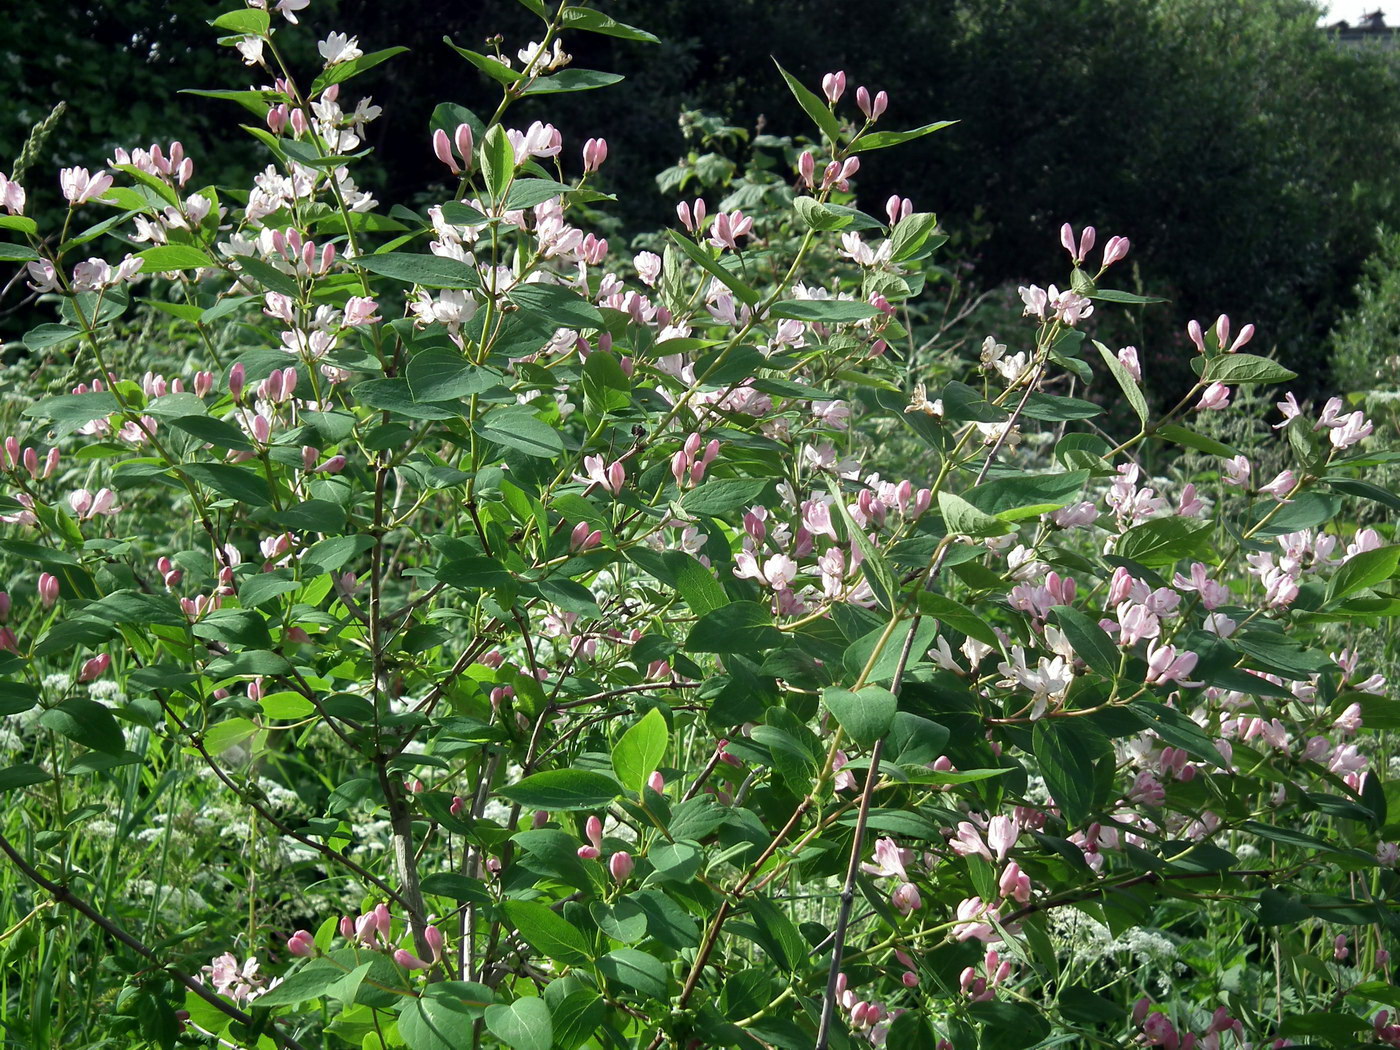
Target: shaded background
pixel 1249 157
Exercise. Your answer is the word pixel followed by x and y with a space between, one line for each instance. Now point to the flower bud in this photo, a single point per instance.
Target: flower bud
pixel 620 865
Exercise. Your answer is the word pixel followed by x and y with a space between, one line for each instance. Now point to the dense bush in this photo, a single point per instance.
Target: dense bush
pixel 435 629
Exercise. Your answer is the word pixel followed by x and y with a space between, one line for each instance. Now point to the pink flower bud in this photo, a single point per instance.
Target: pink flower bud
pixel 1193 330
pixel 910 979
pixel 442 149
pixel 462 138
pixel 807 167
pixel 1140 1009
pixel 620 865
pixel 48 589
pixel 458 804
pixel 1115 250
pixel 409 961
pixel 593 828
pixel 302 943
pixel 95 668
pixel 595 151
pixel 382 920
pixel 834 86
pixel 434 938
pixel 236 381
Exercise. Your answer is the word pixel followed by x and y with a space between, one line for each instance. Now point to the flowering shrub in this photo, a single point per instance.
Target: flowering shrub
pixel 469 637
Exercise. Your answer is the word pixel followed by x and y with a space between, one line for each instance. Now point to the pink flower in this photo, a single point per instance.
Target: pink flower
pixel 302 943
pixel 1115 250
pixel 1165 665
pixel 1086 242
pixel 1215 398
pixel 889 860
pixel 834 86
pixel 1281 486
pixel 1128 358
pixel 610 477
pixel 1002 833
pixel 620 865
pixel 360 310
pixel 906 898
pixel 95 668
pixel 595 151
pixel 648 266
pixel 872 108
pixel 48 589
pixel 79 187
pixel 1348 430
pixel 728 227
pixel 1193 331
pixel 12 196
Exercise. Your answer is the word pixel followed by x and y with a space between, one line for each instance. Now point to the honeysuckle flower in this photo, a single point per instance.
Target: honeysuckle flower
pixel 1077 253
pixel 288 9
pixel 890 860
pixel 898 208
pixel 1281 485
pixel 872 108
pixel 834 86
pixel 595 151
pixel 906 898
pixel 12 196
pixel 1115 250
pixel 728 227
pixel 1215 398
pixel 1002 833
pixel 968 926
pixel 302 943
pixel 79 187
pixel 1164 665
pixel 1237 471
pixel 338 48
pixel 1349 430
pixel 620 865
pixel 1128 358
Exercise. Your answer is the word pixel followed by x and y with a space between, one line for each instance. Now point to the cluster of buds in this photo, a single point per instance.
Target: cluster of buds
pixel 982 987
pixel 865 1016
pixel 443 148
pixel 1158 1030
pixel 15 457
pixel 689 463
pixel 1114 251
pixel 170 163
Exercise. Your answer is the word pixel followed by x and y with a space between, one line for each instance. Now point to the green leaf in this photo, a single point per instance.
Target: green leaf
pixel 591 21
pixel 87 722
pixel 576 1017
pixel 866 716
pixel 439 374
pixel 695 582
pixel 560 306
pixel 1126 382
pixel 524 1024
pixel 526 193
pixel 17 253
pixel 167 257
pixel 458 887
pixel 1190 439
pixel 718 496
pixel 636 756
pixel 739 627
pixel 548 933
pixel 1162 542
pixel 1109 295
pixel 22 774
pixel 963 519
pixel 439 1020
pixel 636 970
pixel 885 139
pixel 572 80
pixel 1066 751
pixel 813 106
pixel 343 71
pixel 819 216
pixel 497 162
pixel 493 68
pixel 312 981
pixel 1027 495
pixel 1246 368
pixel 702 258
pixel 564 790
pixel 519 428
pixel 44 336
pixel 910 235
pixel 216 432
pixel 426 271
pixel 825 311
pixel 250 22
pixel 957 616
pixel 1362 571
pixel 1090 642
pixel 237 483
